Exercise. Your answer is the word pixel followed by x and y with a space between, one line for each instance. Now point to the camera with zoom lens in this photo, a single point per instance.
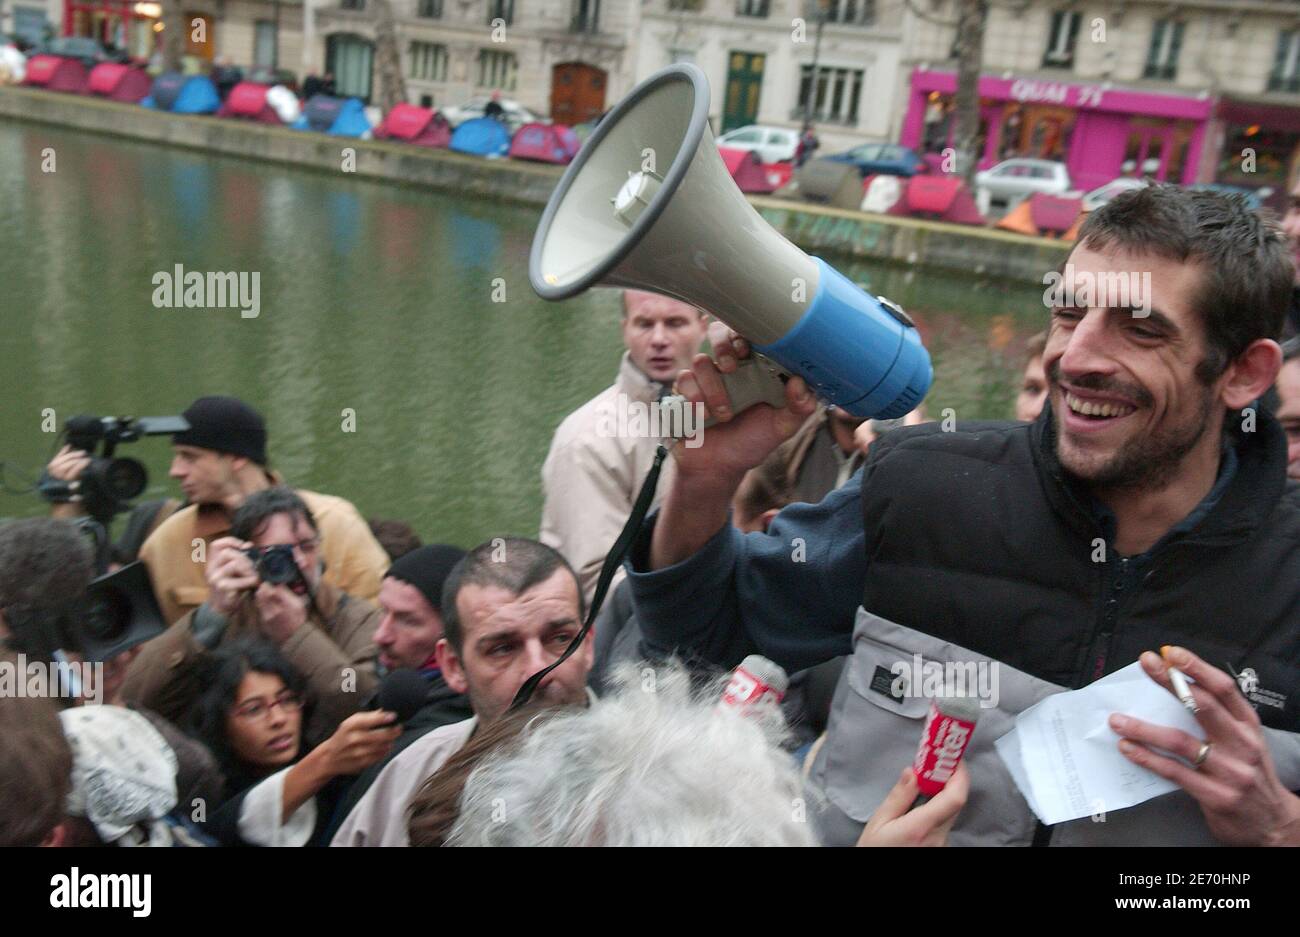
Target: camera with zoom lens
pixel 109 483
pixel 274 564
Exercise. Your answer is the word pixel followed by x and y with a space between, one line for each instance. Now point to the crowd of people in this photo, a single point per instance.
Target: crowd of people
pixel 1140 498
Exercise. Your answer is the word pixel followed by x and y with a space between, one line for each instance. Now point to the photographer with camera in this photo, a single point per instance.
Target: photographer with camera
pixel 219 461
pixel 219 447
pixel 265 580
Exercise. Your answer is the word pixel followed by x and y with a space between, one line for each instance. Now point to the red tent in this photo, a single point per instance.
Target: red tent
pixel 247 100
pixel 56 73
pixel 747 170
pixel 547 143
pixel 943 198
pixel 411 124
pixel 119 82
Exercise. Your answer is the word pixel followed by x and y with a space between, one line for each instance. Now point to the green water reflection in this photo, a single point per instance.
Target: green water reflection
pixel 374 298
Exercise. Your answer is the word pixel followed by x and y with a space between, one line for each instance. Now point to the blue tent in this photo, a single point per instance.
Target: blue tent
pixel 183 94
pixel 342 117
pixel 482 136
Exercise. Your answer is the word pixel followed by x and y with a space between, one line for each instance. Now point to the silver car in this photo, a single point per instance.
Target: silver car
pixel 772 144
pixel 1012 180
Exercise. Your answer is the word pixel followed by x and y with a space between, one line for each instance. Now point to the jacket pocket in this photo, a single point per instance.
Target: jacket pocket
pixel 876 724
pixel 189 596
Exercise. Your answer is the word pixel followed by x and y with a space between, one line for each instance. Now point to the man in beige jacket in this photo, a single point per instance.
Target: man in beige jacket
pixel 219 461
pixel 597 459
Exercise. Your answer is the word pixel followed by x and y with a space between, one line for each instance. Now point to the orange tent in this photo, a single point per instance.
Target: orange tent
pixel 1048 216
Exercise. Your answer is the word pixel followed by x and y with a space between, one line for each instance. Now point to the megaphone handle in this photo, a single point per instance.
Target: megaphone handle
pixel 757 379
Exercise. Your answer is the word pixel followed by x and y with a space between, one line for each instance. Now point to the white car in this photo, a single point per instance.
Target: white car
pixel 1104 193
pixel 1012 180
pixel 773 144
pixel 516 114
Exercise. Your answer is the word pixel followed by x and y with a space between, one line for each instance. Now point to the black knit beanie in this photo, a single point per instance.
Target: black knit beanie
pixel 427 568
pixel 225 424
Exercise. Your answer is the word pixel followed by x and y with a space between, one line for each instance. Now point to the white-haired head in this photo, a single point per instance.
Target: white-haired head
pixel 652 764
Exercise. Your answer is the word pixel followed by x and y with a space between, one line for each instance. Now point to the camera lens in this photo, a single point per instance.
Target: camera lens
pixel 277 565
pixel 125 478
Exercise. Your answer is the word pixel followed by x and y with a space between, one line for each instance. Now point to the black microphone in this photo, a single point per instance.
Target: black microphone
pixel 403 692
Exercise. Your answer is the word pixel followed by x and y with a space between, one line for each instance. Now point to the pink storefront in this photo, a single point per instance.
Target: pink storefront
pixel 1099 131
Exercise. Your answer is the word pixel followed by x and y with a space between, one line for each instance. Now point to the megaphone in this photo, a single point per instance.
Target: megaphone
pixel 649 204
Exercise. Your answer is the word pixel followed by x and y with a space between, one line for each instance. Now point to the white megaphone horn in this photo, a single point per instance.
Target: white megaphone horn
pixel 648 204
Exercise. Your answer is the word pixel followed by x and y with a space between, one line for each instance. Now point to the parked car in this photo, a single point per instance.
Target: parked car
pixel 516 114
pixel 772 144
pixel 89 50
pixel 1012 180
pixel 882 159
pixel 1104 193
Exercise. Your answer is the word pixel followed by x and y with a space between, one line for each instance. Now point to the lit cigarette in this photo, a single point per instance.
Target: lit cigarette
pixel 1179 681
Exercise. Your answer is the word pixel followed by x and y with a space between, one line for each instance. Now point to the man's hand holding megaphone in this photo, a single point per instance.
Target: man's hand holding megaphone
pixel 695 508
pixel 738 441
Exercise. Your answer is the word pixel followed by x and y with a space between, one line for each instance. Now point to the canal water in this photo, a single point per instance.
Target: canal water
pixel 399 356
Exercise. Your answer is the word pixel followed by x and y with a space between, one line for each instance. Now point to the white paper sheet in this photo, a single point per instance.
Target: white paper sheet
pixel 1065 757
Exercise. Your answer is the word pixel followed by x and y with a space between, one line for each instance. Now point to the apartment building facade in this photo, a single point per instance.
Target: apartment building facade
pixel 1195 91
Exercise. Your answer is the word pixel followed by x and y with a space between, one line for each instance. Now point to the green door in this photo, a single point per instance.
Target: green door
pixel 744 82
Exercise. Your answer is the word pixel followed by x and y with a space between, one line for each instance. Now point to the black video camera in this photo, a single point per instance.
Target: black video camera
pixel 108 484
pixel 120 612
pixel 274 564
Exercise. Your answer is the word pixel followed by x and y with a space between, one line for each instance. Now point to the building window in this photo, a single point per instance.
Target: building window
pixel 501 10
pixel 352 4
pixel 851 12
pixel 1286 67
pixel 428 61
pixel 757 8
pixel 586 16
pixel 497 70
pixel 688 6
pixel 1061 39
pixel 429 9
pixel 1162 58
pixel 426 100
pixel 29 23
pixel 264 42
pixel 835 94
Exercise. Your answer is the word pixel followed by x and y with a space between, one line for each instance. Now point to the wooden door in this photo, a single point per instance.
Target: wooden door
pixel 199 39
pixel 744 84
pixel 577 93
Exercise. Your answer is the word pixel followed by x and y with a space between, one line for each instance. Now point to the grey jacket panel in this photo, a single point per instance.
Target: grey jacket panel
pixel 872 735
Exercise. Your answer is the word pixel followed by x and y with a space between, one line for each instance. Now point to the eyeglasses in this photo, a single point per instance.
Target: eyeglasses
pixel 257 710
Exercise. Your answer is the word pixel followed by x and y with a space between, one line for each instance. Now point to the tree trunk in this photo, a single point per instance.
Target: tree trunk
pixel 388 62
pixel 971 18
pixel 173 35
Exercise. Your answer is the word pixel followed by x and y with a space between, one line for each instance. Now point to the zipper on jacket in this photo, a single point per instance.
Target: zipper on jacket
pixel 1113 588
